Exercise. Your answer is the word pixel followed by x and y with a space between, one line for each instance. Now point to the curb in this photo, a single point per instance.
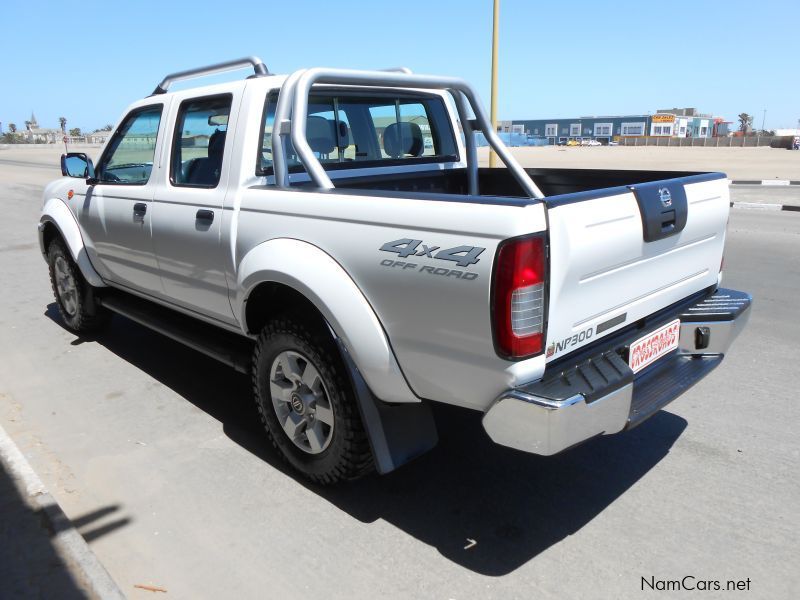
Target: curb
pixel 66 539
pixel 765 206
pixel 765 182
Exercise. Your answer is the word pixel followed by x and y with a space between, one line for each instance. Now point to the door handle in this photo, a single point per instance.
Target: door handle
pixel 205 215
pixel 139 209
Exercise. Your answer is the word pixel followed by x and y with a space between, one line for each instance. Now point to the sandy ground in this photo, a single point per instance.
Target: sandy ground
pixel 737 163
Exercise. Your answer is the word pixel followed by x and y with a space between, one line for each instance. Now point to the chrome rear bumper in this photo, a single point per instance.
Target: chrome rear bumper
pixel 599 394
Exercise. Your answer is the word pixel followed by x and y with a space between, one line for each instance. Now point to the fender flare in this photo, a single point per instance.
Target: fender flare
pixel 324 282
pixel 56 211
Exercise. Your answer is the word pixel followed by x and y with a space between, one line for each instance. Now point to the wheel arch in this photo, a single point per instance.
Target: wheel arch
pixel 57 221
pixel 286 270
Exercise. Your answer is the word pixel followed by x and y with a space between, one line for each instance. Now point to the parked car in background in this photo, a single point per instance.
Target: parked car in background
pixel 590 142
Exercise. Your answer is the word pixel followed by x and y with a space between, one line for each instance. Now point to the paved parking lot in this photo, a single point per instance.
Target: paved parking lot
pixel 156 452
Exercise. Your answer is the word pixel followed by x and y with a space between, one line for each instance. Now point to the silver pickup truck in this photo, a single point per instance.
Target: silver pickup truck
pixel 331 233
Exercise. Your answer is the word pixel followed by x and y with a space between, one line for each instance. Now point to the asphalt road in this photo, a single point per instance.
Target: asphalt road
pixel 156 452
pixel 788 195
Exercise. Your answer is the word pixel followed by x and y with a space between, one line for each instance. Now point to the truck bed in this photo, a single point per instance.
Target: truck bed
pixel 499 185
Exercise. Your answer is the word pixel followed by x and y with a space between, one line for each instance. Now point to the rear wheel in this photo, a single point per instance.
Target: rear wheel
pixel 307 404
pixel 75 298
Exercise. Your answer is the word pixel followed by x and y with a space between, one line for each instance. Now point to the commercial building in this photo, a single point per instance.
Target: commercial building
pixel 674 122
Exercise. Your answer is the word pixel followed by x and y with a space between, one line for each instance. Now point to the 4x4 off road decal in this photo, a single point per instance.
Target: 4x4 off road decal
pixel 463 256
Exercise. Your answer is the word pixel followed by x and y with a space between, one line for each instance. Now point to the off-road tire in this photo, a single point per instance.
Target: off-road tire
pixel 348 455
pixel 81 312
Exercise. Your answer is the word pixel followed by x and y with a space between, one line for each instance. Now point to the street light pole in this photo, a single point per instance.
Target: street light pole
pixel 763 120
pixel 495 26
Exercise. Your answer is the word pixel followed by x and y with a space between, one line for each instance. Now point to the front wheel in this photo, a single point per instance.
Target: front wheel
pixel 307 404
pixel 75 298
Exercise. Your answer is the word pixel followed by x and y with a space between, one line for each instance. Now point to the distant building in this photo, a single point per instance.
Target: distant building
pixel 97 137
pixel 674 122
pixel 41 135
pixel 682 122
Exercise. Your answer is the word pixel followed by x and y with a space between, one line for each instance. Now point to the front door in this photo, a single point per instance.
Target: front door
pixel 114 214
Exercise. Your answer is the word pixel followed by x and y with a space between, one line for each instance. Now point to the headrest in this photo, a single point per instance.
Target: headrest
pixel 344 135
pixel 216 144
pixel 400 139
pixel 321 134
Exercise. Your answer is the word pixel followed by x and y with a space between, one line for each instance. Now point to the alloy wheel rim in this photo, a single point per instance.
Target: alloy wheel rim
pixel 66 286
pixel 301 402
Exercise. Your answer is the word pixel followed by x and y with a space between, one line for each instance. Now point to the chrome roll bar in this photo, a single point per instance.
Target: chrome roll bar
pixel 292 110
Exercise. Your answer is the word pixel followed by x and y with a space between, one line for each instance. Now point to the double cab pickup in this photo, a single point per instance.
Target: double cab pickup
pixel 331 234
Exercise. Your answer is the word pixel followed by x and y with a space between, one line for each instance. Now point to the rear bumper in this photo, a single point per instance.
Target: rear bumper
pixel 598 393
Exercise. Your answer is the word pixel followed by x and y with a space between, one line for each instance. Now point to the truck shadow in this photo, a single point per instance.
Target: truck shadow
pixel 487 508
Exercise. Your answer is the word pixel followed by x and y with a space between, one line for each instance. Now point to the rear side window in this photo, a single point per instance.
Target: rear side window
pixel 128 160
pixel 350 130
pixel 198 145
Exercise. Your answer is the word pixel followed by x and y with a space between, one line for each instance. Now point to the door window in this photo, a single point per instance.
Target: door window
pixel 128 160
pixel 199 142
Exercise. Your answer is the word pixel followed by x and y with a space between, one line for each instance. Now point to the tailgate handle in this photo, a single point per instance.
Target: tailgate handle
pixel 667 221
pixel 663 208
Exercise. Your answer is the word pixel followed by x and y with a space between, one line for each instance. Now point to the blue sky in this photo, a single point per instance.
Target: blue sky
pixel 88 60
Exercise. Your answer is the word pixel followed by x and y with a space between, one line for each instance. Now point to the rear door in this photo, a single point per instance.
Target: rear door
pixel 187 209
pixel 621 254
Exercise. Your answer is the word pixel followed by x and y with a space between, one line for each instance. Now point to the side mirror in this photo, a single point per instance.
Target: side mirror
pixel 77 164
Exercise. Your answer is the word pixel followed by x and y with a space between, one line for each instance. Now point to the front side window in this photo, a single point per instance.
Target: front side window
pixel 199 142
pixel 351 130
pixel 128 160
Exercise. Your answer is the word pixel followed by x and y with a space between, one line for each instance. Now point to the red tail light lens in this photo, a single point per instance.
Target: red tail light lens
pixel 518 297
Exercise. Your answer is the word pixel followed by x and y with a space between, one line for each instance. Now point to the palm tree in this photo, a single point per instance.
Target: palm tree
pixel 744 122
pixel 28 124
pixel 63 122
pixel 12 128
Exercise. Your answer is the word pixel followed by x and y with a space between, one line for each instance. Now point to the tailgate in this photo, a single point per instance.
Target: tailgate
pixel 620 254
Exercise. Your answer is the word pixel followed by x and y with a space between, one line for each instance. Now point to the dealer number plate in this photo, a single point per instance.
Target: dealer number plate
pixel 648 349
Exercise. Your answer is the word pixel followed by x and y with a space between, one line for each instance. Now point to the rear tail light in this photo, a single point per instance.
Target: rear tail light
pixel 518 298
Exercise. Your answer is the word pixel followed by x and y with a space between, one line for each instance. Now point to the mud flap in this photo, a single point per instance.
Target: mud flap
pixel 397 433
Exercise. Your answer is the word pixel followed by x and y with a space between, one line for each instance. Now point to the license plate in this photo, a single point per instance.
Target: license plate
pixel 648 349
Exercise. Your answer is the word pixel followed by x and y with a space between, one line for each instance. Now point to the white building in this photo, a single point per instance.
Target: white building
pixel 41 135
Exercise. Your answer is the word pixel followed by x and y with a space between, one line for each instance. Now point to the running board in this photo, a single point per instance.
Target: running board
pixel 227 347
